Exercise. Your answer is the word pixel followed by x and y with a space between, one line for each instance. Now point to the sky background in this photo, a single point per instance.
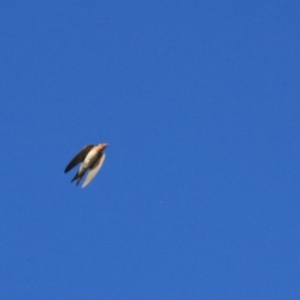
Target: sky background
pixel 199 195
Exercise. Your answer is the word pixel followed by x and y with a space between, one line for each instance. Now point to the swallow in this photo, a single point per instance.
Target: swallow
pixel 91 158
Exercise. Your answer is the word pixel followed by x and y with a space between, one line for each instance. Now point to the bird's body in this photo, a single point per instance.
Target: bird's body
pixel 91 158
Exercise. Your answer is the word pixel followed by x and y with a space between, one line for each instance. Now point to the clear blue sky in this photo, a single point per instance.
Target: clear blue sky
pixel 199 195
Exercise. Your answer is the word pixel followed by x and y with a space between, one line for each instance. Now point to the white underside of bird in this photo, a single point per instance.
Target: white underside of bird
pixel 91 165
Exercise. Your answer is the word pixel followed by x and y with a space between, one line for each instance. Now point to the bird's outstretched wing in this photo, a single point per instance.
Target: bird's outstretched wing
pixel 94 170
pixel 79 157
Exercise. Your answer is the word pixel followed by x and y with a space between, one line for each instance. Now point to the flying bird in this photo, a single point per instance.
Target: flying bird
pixel 91 158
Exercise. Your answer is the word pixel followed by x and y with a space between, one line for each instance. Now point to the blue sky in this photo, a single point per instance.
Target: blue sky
pixel 199 195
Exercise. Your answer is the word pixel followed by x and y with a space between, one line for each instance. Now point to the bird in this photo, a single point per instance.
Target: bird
pixel 91 158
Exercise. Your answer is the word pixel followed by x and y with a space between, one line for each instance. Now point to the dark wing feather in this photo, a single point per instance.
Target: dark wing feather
pixel 79 157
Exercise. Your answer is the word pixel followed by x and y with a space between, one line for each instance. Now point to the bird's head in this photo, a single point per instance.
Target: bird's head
pixel 103 146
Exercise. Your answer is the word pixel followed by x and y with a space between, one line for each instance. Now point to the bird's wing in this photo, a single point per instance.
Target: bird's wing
pixel 94 170
pixel 79 157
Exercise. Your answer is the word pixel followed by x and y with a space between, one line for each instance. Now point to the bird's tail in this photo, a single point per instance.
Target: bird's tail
pixel 77 177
